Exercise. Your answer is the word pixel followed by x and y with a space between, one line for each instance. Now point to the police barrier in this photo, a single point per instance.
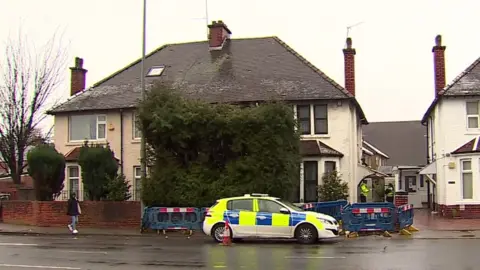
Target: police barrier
pixel 405 214
pixel 331 208
pixel 170 218
pixel 367 217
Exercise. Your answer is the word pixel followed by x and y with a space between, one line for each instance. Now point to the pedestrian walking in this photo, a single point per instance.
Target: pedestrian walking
pixel 73 210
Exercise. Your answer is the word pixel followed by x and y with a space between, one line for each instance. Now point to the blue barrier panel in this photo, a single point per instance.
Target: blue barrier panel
pixel 331 208
pixel 170 218
pixel 361 217
pixel 405 215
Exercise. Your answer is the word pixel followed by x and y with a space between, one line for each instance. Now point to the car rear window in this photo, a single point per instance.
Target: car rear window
pixel 240 204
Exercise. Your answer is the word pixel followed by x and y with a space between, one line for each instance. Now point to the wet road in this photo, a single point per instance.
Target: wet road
pixel 104 253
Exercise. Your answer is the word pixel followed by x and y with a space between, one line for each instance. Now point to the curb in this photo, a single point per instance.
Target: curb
pixel 151 235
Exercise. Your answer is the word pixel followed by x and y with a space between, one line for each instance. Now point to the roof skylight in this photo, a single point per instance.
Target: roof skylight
pixel 155 71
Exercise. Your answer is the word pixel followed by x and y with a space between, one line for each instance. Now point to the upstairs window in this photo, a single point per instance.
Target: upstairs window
pixel 303 116
pixel 137 133
pixel 87 127
pixel 321 119
pixel 472 114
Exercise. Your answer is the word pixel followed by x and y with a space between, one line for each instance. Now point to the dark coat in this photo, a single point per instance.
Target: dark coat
pixel 72 208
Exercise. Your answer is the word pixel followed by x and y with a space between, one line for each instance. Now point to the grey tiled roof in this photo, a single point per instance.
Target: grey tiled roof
pixel 465 84
pixel 404 141
pixel 244 70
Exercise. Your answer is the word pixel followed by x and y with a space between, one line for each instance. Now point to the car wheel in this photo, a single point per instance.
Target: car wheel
pixel 306 234
pixel 217 232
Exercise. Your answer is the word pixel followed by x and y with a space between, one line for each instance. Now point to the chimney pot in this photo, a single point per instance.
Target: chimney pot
pixel 78 62
pixel 78 76
pixel 349 43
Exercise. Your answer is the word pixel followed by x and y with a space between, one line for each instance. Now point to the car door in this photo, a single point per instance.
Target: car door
pixel 241 217
pixel 270 221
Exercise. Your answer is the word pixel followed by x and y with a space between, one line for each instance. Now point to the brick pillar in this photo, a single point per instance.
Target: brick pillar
pixel 349 59
pixel 439 64
pixel 401 198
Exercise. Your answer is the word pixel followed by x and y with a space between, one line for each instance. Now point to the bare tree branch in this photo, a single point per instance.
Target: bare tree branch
pixel 28 79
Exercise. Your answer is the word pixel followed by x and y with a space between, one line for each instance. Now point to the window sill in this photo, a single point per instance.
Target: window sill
pixel 313 136
pixel 136 141
pixel 80 143
pixel 467 201
pixel 473 131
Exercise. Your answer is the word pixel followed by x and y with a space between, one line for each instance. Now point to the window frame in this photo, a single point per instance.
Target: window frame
pixel 136 179
pixel 70 178
pixel 303 119
pixel 97 124
pixel 329 162
pixel 462 173
pixel 315 118
pixel 134 128
pixel 468 116
pixel 230 203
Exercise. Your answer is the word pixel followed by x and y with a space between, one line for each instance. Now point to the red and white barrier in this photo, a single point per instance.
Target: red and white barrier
pixel 308 206
pixel 177 210
pixel 370 210
pixel 407 207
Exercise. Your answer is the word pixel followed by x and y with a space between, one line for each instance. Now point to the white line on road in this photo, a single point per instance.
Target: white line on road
pixel 313 257
pixel 17 244
pixel 39 266
pixel 85 252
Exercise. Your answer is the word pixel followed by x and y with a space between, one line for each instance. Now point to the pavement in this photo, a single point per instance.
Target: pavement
pixel 425 219
pixel 143 253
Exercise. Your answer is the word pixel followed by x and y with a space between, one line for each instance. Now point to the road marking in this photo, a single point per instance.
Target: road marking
pixel 313 257
pixel 17 244
pixel 85 252
pixel 39 266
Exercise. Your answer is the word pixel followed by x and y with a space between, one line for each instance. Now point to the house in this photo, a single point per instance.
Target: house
pixel 452 121
pixel 372 156
pixel 226 70
pixel 406 157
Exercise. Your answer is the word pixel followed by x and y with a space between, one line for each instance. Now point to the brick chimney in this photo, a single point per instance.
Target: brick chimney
pixel 77 81
pixel 217 35
pixel 439 64
pixel 349 58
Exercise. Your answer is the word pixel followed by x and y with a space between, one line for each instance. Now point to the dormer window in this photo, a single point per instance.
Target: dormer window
pixel 155 71
pixel 472 114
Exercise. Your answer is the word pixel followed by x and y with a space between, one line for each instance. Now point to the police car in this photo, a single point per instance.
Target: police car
pixel 262 216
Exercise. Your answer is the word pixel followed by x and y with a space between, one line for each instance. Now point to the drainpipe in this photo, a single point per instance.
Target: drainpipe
pixel 121 141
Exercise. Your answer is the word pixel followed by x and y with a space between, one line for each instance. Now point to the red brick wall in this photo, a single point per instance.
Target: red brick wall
pixel 53 214
pixel 454 211
pixel 401 200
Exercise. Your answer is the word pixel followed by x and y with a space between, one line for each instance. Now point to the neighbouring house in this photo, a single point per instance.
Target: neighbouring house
pixel 452 121
pixel 373 157
pixel 405 142
pixel 227 70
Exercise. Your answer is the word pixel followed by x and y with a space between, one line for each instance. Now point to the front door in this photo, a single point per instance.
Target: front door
pixel 270 222
pixel 241 217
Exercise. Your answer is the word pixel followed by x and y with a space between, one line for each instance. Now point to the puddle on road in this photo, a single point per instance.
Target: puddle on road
pixel 468 235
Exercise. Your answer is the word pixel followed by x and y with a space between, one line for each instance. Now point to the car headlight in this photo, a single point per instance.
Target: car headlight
pixel 326 221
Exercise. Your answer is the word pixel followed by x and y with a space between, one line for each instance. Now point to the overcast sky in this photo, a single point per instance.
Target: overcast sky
pixel 394 62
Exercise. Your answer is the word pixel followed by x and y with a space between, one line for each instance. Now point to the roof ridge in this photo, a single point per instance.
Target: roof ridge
pixel 460 76
pixel 313 67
